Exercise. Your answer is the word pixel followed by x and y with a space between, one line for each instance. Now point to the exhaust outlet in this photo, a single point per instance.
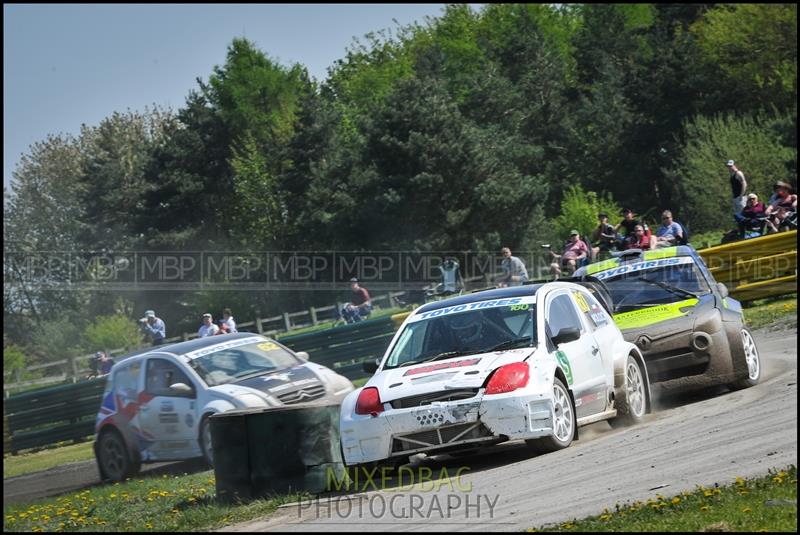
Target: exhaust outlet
pixel 701 342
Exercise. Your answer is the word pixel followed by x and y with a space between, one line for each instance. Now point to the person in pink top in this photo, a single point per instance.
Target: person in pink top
pixel 574 251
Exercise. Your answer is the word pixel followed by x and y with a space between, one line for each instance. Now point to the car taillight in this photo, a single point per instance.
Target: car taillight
pixel 508 378
pixel 369 402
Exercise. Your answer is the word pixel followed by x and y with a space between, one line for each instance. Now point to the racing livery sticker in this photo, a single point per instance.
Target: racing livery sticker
pixel 669 252
pixel 224 345
pixel 565 365
pixel 644 265
pixel 650 315
pixel 493 303
pixel 442 366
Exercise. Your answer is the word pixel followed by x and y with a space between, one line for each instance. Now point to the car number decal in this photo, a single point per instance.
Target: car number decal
pixel 267 346
pixel 565 365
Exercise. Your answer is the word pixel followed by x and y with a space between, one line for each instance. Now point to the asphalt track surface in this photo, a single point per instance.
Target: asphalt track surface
pixel 690 439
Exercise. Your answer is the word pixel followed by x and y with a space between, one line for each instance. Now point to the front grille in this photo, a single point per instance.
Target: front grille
pixel 442 436
pixel 309 393
pixel 427 399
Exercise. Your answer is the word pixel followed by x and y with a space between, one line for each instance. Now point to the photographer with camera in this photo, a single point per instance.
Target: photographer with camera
pixel 153 327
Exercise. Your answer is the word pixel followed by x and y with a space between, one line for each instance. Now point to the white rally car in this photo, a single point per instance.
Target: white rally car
pixel 532 362
pixel 156 405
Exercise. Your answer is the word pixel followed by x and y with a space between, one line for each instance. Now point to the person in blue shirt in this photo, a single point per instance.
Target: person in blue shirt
pixel 669 232
pixel 153 327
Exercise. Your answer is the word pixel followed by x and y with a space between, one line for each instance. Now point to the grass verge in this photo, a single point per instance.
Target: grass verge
pixel 771 311
pixel 177 503
pixel 24 463
pixel 767 503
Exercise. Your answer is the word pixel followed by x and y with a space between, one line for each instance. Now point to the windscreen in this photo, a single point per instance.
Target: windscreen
pixel 231 362
pixel 652 283
pixel 466 329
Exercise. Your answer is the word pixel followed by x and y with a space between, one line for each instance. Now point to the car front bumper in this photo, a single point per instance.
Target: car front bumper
pixel 445 426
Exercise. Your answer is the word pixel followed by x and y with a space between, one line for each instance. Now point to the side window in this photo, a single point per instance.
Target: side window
pixel 161 374
pixel 562 314
pixel 591 309
pixel 126 381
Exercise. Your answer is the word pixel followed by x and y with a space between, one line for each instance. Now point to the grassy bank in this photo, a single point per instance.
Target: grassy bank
pixel 185 503
pixel 24 463
pixel 767 503
pixel 780 312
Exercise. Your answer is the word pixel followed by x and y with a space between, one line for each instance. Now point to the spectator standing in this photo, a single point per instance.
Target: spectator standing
pixel 738 188
pixel 669 233
pixel 359 306
pixel 208 328
pixel 514 271
pixel 227 319
pixel 574 251
pixel 604 237
pixel 153 327
pixel 640 240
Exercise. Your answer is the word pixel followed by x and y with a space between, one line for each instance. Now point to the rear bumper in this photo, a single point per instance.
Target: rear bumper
pixel 446 426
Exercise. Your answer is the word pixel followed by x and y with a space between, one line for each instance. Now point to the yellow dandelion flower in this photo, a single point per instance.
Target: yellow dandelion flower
pixel 148 525
pixel 676 500
pixel 704 508
pixel 747 510
pixel 739 481
pixel 708 493
pixel 113 495
pixel 777 479
pixel 605 518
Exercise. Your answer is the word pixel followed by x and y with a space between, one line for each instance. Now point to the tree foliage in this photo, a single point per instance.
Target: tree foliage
pixel 505 125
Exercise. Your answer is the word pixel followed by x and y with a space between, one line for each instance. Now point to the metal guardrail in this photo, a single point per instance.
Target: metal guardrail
pixel 755 268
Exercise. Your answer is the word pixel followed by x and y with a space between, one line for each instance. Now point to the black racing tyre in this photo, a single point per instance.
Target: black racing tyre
pixel 563 422
pixel 632 406
pixel 752 361
pixel 206 445
pixel 115 461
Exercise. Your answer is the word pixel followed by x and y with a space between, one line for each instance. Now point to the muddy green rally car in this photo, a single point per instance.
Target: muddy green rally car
pixel 689 330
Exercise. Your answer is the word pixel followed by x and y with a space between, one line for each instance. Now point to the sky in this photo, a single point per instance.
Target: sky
pixel 70 64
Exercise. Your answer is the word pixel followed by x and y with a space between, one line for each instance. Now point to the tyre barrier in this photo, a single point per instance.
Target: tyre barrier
pixel 261 452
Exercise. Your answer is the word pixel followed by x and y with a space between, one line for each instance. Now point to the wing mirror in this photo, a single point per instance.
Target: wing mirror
pixel 723 290
pixel 370 366
pixel 303 355
pixel 566 334
pixel 181 389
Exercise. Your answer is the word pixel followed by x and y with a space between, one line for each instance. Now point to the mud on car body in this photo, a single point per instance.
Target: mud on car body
pixel 690 331
pixel 156 404
pixel 531 362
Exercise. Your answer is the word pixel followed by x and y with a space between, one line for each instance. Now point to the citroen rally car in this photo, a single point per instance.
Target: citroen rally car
pixel 690 332
pixel 156 405
pixel 531 362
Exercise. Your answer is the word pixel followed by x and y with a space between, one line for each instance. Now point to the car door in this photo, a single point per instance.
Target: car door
pixel 169 417
pixel 579 359
pixel 603 330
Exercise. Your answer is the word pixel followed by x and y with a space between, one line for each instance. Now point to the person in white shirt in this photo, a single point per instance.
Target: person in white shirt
pixel 208 328
pixel 227 319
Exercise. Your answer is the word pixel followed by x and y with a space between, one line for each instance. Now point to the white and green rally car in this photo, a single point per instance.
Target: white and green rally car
pixel 690 331
pixel 531 362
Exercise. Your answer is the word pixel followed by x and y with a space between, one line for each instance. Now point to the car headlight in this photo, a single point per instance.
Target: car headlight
pixel 251 401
